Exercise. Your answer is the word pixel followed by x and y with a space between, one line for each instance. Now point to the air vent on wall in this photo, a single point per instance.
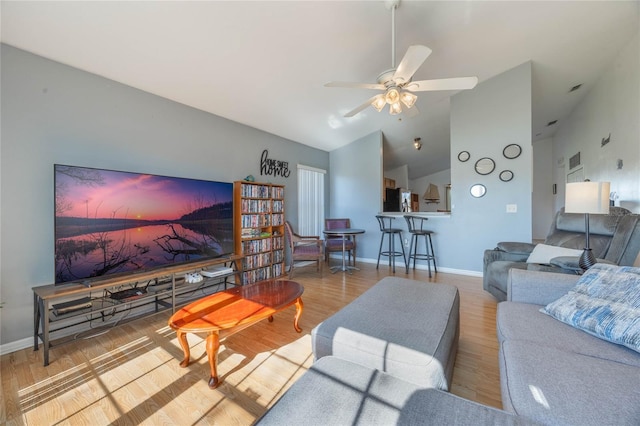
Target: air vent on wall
pixel 574 161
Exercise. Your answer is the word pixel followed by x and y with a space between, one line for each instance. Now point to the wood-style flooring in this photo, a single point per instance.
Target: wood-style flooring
pixel 131 375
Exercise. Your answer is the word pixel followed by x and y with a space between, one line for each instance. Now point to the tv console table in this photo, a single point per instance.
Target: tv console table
pixel 160 287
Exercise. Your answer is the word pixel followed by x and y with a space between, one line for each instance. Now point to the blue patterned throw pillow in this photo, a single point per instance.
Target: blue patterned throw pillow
pixel 605 302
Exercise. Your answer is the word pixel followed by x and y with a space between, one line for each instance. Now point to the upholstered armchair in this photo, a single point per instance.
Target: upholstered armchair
pixel 614 239
pixel 303 248
pixel 334 243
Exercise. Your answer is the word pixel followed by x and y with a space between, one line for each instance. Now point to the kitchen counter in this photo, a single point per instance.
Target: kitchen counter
pixel 430 215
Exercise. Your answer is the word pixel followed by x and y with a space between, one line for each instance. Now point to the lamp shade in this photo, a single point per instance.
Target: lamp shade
pixel 587 197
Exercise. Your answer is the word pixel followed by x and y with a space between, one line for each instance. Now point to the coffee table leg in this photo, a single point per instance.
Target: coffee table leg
pixel 182 338
pixel 213 344
pixel 299 306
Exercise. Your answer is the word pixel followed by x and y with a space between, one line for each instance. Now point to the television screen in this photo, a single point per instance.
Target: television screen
pixel 109 222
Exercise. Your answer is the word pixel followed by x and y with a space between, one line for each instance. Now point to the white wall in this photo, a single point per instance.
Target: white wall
pixel 611 107
pixel 52 113
pixel 543 197
pixel 400 175
pixel 420 185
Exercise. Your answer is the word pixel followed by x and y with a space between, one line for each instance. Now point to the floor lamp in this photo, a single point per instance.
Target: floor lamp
pixel 587 197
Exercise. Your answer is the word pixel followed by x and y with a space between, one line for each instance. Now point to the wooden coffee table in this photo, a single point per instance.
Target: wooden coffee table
pixel 230 311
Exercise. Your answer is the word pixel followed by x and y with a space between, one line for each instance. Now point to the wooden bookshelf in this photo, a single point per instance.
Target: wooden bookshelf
pixel 259 229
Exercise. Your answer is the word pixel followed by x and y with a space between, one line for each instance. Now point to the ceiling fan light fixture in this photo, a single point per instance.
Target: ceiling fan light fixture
pixel 395 108
pixel 397 83
pixel 392 96
pixel 408 98
pixel 379 102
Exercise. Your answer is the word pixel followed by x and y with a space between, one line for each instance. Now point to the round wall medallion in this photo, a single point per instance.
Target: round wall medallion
pixel 478 190
pixel 512 151
pixel 485 165
pixel 464 156
pixel 506 175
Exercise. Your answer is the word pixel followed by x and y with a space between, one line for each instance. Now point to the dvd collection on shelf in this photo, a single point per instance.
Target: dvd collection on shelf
pixel 255 220
pixel 256 206
pixel 257 260
pixel 260 229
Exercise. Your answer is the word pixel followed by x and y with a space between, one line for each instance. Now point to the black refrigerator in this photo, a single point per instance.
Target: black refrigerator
pixel 392 201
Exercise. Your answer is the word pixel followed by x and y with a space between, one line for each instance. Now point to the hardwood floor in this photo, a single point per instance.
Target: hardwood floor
pixel 131 375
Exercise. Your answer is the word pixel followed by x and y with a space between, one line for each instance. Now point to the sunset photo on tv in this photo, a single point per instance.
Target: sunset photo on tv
pixel 109 222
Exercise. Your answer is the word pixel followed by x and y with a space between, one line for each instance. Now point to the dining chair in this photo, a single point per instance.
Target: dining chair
pixel 334 242
pixel 309 248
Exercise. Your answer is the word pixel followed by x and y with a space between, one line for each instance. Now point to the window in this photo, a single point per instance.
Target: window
pixel 310 200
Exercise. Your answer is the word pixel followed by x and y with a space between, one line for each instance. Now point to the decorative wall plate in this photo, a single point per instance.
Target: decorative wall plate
pixel 512 151
pixel 464 156
pixel 485 166
pixel 506 175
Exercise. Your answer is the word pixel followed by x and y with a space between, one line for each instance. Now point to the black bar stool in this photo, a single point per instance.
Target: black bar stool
pixel 391 253
pixel 416 229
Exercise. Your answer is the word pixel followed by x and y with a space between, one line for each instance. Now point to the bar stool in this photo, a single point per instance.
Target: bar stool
pixel 415 225
pixel 390 232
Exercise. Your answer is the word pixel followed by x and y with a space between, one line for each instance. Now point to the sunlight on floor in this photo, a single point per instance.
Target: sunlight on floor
pixel 121 382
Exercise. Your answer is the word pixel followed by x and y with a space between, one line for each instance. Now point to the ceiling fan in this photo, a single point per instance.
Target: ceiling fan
pixel 396 82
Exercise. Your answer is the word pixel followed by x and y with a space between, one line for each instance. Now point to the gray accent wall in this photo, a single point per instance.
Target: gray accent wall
pixel 356 189
pixel 52 113
pixel 496 113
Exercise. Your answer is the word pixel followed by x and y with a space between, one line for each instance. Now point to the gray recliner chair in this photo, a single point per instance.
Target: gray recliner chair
pixel 614 238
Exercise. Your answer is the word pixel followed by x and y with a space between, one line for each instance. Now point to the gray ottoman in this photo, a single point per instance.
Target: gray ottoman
pixel 403 327
pixel 339 392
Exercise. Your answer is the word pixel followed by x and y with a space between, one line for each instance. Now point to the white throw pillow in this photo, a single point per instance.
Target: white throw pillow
pixel 543 253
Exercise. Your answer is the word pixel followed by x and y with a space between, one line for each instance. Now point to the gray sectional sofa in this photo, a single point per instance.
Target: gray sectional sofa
pixel 386 358
pixel 555 374
pixel 551 373
pixel 337 392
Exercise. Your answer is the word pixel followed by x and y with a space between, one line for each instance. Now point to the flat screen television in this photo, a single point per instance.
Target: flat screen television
pixel 110 222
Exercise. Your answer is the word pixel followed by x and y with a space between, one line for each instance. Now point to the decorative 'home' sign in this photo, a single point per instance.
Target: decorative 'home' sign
pixel 273 167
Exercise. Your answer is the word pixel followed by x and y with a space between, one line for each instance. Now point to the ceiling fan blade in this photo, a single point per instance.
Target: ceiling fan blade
pixel 355 85
pixel 460 83
pixel 410 112
pixel 360 108
pixel 412 60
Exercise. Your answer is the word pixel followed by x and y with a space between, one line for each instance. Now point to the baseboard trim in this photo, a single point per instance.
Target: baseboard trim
pixel 16 346
pixel 422 267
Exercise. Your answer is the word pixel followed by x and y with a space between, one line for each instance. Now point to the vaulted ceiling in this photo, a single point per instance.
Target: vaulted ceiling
pixel 265 63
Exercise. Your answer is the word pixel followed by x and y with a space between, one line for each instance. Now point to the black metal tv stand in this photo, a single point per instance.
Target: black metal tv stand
pixel 74 304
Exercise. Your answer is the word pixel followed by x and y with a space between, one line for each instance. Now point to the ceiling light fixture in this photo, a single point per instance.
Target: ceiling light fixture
pixel 396 83
pixel 409 99
pixel 395 108
pixel 379 102
pixel 417 144
pixel 394 98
